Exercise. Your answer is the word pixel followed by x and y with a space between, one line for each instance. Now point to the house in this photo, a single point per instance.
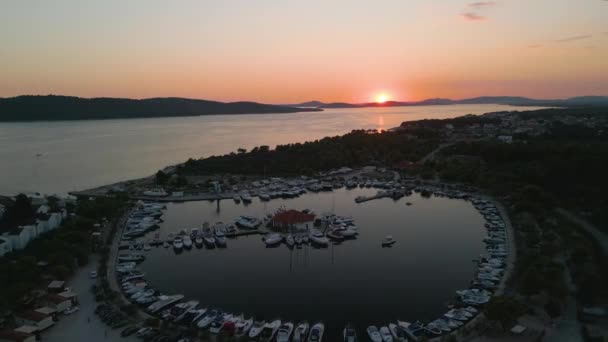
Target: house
pixel 292 219
pixel 8 335
pixel 56 286
pixel 61 301
pixel 34 318
pixel 48 311
pixel 5 246
pixel 20 237
pixel 27 329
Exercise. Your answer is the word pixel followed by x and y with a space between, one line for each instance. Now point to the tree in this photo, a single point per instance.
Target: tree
pixel 241 150
pixel 161 177
pixel 504 310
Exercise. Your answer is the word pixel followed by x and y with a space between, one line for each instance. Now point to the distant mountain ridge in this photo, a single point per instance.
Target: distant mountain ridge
pixel 504 100
pixel 54 107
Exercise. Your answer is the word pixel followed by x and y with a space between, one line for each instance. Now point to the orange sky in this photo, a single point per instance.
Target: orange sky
pixel 286 51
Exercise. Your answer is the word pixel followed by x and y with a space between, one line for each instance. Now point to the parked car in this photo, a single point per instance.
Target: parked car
pixel 71 310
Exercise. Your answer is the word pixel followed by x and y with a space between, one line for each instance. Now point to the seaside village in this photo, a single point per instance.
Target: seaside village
pixel 294 228
pixel 44 306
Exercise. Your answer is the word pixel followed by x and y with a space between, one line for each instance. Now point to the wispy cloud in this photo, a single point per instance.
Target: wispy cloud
pixel 573 38
pixel 472 16
pixel 482 4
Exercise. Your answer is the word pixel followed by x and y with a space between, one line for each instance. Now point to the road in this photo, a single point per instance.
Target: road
pixel 83 325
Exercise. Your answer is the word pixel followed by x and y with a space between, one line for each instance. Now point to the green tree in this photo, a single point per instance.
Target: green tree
pixel 504 310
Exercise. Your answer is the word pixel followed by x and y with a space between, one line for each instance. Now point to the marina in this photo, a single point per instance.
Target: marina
pixel 254 241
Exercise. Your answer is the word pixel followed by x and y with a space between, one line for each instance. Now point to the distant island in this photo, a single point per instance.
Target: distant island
pixel 500 100
pixel 55 107
pixel 52 107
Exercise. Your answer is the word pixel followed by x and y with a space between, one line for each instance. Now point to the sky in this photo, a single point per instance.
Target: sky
pixel 287 51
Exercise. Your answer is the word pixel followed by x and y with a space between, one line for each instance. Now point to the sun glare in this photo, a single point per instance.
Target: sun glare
pixel 381 98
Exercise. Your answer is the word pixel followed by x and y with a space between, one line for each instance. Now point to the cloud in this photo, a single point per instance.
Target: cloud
pixel 472 16
pixel 482 4
pixel 573 38
pixel 535 46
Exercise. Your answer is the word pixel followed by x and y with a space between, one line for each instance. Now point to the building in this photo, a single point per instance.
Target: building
pixel 56 286
pixel 34 318
pixel 61 301
pixel 292 220
pixel 8 335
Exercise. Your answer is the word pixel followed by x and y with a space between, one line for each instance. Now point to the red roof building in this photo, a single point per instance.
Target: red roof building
pixel 16 336
pixel 293 219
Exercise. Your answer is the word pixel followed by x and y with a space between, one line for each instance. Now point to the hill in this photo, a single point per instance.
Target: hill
pixel 51 107
pixel 504 100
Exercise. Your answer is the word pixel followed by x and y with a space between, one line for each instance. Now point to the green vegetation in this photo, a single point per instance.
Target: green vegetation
pixel 358 148
pixel 55 255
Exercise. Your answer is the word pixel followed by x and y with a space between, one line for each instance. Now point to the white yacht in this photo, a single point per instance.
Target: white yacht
pixel 299 335
pixel 388 241
pixel 290 240
pixel 242 327
pixel 386 334
pixel 316 332
pixel 319 238
pixel 270 330
pixel 256 329
pixel 349 334
pixel 236 198
pixel 246 197
pixel 187 242
pixel 374 333
pixel 273 239
pixel 285 331
pixel 178 243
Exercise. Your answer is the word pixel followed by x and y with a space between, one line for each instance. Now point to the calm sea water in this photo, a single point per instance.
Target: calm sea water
pixel 57 157
pixel 357 281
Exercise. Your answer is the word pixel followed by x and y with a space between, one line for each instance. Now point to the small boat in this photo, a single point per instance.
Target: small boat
pixel 256 329
pixel 198 241
pixel 388 241
pixel 386 334
pixel 299 335
pixel 187 242
pixel 398 332
pixel 349 333
pixel 318 238
pixel 208 318
pixel 178 243
pixel 316 332
pixel 246 197
pixel 298 240
pixel 290 241
pixel 285 331
pixel 270 330
pixel 147 247
pixel 242 327
pixel 131 257
pixel 335 235
pixel 218 323
pixel 273 239
pixel 374 333
pixel 236 198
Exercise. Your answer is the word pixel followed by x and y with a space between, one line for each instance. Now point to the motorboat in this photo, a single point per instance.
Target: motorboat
pixel 298 240
pixel 229 326
pixel 231 231
pixel 246 197
pixel 335 235
pixel 191 316
pixel 220 241
pixel 187 242
pixel 206 320
pixel 270 330
pixel 388 241
pixel 398 332
pixel 178 243
pixel 218 323
pixel 316 332
pixel 441 324
pixel 146 300
pixel 273 239
pixel 290 241
pixel 256 329
pixel 247 222
pixel 285 331
pixel 198 241
pixel 317 237
pixel 131 257
pixel 386 334
pixel 236 198
pixel 433 329
pixel 146 293
pixel 208 238
pixel 374 333
pixel 299 335
pixel 349 334
pixel 242 327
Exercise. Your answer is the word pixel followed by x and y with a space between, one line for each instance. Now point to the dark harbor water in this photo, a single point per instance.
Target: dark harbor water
pixel 356 281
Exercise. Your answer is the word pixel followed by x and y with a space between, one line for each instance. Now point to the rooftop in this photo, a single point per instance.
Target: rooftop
pixel 12 335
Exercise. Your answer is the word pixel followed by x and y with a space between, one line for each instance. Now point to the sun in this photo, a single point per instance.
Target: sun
pixel 381 98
